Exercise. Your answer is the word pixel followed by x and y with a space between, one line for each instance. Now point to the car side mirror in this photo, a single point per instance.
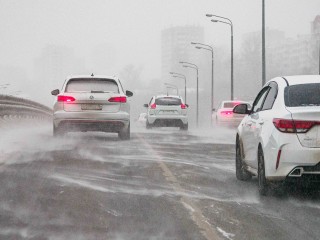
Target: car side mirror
pixel 129 93
pixel 187 105
pixel 146 105
pixel 55 92
pixel 241 109
pixel 213 109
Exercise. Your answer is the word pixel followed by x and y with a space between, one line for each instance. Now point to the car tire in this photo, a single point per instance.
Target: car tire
pixel 262 181
pixel 241 173
pixel 57 132
pixel 124 133
pixel 184 127
pixel 148 125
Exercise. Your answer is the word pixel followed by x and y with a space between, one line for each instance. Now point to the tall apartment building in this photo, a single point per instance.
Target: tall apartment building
pixel 176 46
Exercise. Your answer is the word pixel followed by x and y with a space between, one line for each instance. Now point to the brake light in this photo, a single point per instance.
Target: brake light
pixel 120 99
pixel 183 106
pixel 153 106
pixel 293 126
pixel 226 113
pixel 304 126
pixel 62 98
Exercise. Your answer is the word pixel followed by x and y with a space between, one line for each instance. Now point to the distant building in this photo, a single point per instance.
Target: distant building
pixel 315 25
pixel 55 63
pixel 52 67
pixel 176 46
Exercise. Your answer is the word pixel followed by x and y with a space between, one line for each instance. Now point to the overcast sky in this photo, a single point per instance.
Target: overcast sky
pixel 133 27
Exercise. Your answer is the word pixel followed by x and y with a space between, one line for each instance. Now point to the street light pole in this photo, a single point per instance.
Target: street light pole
pixel 179 75
pixel 209 48
pixel 229 22
pixel 263 46
pixel 191 65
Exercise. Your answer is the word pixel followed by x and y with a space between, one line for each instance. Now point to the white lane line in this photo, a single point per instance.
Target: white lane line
pixel 197 216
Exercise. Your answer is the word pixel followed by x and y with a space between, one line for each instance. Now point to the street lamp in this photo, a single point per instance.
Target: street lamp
pixel 229 22
pixel 208 48
pixel 191 65
pixel 169 85
pixel 263 46
pixel 179 75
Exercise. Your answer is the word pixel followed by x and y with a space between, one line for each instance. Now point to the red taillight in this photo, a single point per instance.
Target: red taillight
pixel 226 112
pixel 62 98
pixel 183 106
pixel 293 126
pixel 304 126
pixel 153 106
pixel 119 99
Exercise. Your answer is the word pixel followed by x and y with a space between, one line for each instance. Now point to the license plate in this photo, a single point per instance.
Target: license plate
pixel 91 107
pixel 168 112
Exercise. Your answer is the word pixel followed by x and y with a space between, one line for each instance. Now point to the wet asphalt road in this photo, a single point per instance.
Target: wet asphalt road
pixel 162 184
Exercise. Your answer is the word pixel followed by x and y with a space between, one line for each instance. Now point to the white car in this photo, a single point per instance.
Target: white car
pixel 92 103
pixel 279 139
pixel 167 111
pixel 225 115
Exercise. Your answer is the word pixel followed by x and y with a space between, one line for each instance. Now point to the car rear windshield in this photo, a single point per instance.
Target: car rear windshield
pixel 168 101
pixel 302 95
pixel 230 104
pixel 92 85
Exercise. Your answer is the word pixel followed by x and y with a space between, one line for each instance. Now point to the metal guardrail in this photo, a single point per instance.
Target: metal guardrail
pixel 10 105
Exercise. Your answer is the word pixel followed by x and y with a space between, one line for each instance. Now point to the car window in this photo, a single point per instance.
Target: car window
pixel 92 85
pixel 302 95
pixel 168 101
pixel 271 97
pixel 257 105
pixel 230 104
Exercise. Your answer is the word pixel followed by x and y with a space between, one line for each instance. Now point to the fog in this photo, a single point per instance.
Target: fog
pixel 42 42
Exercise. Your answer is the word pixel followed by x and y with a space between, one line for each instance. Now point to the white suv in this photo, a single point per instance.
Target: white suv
pixel 92 103
pixel 167 111
pixel 279 139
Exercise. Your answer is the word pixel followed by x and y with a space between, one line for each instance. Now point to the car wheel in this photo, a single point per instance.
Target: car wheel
pixel 57 132
pixel 262 182
pixel 184 127
pixel 124 133
pixel 148 125
pixel 241 173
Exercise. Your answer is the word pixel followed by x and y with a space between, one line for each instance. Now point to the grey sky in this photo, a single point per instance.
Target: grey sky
pixel 133 27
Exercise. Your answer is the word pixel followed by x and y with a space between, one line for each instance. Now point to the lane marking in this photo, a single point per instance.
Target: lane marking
pixel 197 216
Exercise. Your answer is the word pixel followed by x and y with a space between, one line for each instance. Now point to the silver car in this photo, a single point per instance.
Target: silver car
pixel 167 111
pixel 92 103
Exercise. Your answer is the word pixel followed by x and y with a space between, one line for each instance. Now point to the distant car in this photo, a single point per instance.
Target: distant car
pixel 278 140
pixel 225 115
pixel 92 103
pixel 167 111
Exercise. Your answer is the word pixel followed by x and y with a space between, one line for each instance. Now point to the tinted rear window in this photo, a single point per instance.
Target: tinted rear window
pixel 92 85
pixel 302 95
pixel 168 101
pixel 230 104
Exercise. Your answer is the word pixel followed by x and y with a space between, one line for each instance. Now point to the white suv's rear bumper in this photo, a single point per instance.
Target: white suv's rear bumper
pixel 89 120
pixel 153 118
